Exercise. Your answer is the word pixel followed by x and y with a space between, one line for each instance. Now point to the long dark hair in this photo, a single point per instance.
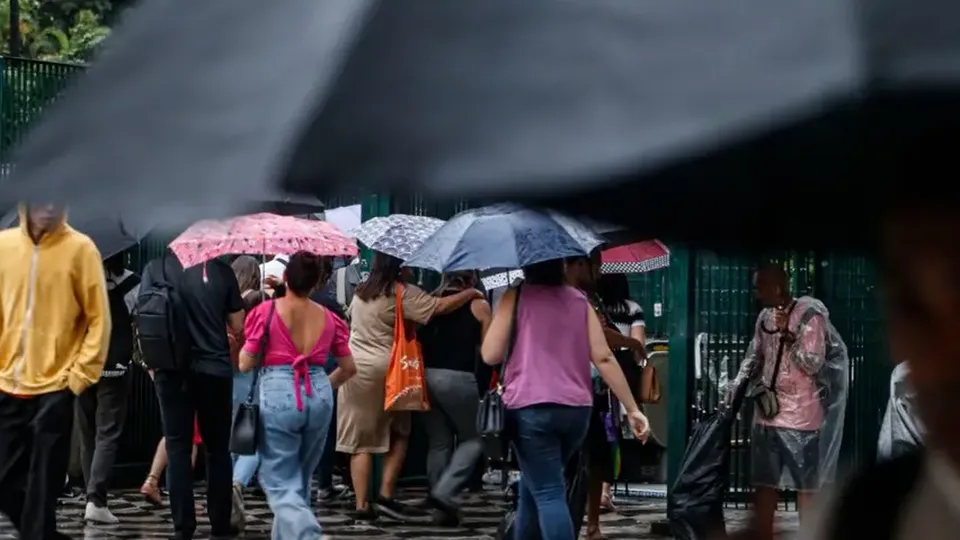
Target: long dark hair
pixel 385 273
pixel 614 290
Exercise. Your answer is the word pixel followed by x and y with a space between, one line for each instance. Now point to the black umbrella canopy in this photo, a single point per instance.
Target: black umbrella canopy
pixel 115 231
pixel 293 205
pixel 112 233
pixel 735 117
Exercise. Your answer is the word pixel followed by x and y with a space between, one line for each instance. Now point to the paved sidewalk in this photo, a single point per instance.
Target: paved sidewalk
pixel 483 512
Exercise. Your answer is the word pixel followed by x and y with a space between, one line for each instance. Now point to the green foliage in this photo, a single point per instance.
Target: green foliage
pixel 66 31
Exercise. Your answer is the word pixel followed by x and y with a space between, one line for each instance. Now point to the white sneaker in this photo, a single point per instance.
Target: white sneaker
pixel 99 514
pixel 237 517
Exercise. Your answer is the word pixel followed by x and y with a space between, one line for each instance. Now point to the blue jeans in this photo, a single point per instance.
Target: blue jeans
pixel 244 467
pixel 546 437
pixel 290 447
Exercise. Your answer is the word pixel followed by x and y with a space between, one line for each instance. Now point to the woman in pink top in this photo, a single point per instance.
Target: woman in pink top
pixel 548 390
pixel 296 395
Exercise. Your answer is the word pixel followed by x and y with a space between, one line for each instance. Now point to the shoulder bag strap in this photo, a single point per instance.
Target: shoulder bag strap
pixel 264 340
pixel 512 340
pixel 780 349
pixel 399 322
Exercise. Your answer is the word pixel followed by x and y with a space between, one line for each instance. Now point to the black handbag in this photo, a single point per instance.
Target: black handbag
pixel 491 415
pixel 246 423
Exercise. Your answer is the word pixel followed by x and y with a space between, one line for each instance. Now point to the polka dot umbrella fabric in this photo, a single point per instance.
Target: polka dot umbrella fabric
pixel 260 234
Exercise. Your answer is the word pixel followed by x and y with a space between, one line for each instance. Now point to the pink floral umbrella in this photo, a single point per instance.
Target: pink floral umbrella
pixel 260 234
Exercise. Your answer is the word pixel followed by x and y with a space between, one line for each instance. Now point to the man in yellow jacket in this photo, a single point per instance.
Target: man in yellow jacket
pixel 54 334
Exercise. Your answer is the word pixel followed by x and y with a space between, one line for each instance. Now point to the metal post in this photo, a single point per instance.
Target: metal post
pixel 15 28
pixel 682 332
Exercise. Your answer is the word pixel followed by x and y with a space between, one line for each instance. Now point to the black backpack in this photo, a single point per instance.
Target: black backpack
pixel 161 322
pixel 121 324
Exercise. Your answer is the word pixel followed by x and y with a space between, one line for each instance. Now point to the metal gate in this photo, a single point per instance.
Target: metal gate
pixel 27 87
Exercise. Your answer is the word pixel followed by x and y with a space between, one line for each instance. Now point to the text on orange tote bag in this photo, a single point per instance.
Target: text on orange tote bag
pixel 405 386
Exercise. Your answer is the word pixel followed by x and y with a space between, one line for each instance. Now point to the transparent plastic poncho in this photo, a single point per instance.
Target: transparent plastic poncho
pixel 798 448
pixel 901 431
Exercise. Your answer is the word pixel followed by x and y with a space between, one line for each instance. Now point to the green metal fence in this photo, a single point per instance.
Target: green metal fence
pixel 712 315
pixel 27 87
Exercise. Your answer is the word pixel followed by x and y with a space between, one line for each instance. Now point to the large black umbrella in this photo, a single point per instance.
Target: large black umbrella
pixel 115 231
pixel 293 205
pixel 793 109
pixel 112 233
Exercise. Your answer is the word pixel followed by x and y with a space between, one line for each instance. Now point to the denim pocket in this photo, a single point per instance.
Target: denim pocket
pixel 277 394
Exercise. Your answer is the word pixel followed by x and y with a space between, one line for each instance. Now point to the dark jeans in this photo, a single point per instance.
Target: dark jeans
pixel 455 447
pixel 34 454
pixel 545 438
pixel 329 459
pixel 210 398
pixel 100 413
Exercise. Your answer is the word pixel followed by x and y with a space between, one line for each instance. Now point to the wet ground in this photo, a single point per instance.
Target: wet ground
pixel 482 512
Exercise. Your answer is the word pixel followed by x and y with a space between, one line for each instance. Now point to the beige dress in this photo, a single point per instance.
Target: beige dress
pixel 362 425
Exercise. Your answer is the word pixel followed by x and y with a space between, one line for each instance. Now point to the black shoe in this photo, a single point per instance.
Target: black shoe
pixel 442 519
pixel 395 509
pixel 443 514
pixel 367 514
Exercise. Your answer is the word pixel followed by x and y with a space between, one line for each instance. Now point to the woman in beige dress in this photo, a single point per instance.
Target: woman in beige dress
pixel 363 428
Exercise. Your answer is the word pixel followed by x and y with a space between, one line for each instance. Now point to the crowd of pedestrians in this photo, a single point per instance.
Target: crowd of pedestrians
pixel 284 338
pixel 311 345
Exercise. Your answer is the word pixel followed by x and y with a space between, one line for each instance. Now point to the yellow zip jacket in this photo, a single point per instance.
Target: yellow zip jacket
pixel 54 317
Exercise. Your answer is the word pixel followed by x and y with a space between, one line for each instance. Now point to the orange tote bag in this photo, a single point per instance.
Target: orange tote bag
pixel 405 386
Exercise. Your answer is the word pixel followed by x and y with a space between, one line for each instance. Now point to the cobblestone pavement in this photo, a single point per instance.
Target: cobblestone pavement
pixel 482 512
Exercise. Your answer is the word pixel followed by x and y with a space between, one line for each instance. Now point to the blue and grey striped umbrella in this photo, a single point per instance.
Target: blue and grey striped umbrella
pixel 504 236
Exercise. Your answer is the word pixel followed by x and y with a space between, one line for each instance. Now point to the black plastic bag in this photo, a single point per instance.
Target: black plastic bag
pixel 695 504
pixel 577 483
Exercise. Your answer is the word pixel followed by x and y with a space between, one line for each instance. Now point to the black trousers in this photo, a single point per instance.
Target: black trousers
pixel 183 395
pixel 34 455
pixel 100 414
pixel 328 461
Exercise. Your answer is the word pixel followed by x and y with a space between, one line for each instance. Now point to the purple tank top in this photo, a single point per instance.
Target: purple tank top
pixel 550 362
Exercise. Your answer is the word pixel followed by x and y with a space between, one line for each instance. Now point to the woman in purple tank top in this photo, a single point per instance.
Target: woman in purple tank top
pixel 548 390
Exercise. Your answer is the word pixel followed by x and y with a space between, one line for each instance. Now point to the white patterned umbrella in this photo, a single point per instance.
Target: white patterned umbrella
pixel 398 235
pixel 499 279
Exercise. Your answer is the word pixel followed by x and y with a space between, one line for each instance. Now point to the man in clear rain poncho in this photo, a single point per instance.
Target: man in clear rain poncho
pixel 797 365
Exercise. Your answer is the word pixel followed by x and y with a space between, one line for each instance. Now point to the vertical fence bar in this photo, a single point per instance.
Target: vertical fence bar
pixel 680 327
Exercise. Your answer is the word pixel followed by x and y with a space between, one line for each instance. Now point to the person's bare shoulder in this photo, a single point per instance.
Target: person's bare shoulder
pixel 481 309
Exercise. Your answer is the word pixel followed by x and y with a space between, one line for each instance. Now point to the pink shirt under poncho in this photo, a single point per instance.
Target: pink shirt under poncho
pixel 796 385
